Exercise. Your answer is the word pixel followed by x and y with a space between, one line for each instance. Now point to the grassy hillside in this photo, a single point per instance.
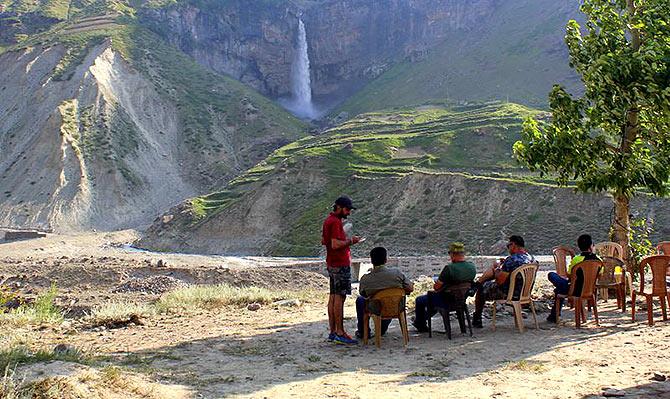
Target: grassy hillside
pixel 476 139
pixel 502 60
pixel 420 179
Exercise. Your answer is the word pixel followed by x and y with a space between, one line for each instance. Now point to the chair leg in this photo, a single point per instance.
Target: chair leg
pixel 447 322
pixel 517 316
pixel 595 311
pixel 461 320
pixel 403 327
pixel 665 314
pixel 632 304
pixel 583 310
pixel 650 310
pixel 378 331
pixel 366 327
pixel 467 317
pixel 430 325
pixel 532 308
pixel 578 310
pixel 604 292
pixel 557 306
pixel 493 317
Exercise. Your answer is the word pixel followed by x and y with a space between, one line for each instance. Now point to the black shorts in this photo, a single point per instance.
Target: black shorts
pixel 340 280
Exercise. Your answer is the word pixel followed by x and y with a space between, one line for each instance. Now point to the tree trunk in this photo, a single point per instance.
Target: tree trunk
pixel 621 224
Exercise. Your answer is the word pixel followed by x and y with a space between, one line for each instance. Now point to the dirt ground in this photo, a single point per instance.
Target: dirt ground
pixel 281 351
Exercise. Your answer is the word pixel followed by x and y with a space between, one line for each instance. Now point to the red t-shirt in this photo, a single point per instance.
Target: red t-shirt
pixel 332 228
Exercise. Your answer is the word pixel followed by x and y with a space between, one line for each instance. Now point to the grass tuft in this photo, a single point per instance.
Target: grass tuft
pixel 215 296
pixel 527 366
pixel 118 313
pixel 22 354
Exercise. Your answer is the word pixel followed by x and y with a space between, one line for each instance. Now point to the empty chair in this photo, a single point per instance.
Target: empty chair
pixel 582 289
pixel 385 304
pixel 561 259
pixel 609 248
pixel 615 250
pixel 527 275
pixel 663 248
pixel 607 279
pixel 454 298
pixel 658 265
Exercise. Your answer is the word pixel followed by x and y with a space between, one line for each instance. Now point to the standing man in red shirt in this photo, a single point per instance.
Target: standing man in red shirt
pixel 338 261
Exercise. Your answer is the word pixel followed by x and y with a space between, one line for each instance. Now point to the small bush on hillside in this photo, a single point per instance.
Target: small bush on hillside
pixel 6 296
pixel 43 310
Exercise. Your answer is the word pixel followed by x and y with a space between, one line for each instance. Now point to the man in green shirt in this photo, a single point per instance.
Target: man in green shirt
pixel 457 272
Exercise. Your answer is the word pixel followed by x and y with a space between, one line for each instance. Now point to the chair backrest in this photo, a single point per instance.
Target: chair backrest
pixel 561 259
pixel 390 302
pixel 663 248
pixel 608 248
pixel 589 269
pixel 527 273
pixel 455 294
pixel 610 264
pixel 658 265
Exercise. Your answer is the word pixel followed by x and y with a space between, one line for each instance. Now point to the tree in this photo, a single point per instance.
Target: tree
pixel 616 137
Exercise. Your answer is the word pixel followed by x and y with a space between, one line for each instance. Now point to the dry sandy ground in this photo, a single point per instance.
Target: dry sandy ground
pixel 282 351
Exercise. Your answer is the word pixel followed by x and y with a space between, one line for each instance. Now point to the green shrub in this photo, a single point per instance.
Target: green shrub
pixel 43 310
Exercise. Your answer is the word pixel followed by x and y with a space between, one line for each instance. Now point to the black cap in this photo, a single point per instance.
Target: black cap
pixel 344 202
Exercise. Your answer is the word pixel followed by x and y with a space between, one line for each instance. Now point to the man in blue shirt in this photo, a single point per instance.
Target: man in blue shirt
pixel 494 282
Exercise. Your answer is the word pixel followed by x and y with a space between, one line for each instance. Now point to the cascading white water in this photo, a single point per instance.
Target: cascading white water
pixel 301 104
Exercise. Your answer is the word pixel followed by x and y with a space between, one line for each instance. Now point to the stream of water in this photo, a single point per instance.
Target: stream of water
pixel 301 82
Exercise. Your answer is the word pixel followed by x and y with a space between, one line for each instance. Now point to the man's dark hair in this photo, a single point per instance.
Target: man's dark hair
pixel 584 242
pixel 518 240
pixel 378 256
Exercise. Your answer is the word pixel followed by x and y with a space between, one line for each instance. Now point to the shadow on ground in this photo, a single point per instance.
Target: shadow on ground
pixel 282 354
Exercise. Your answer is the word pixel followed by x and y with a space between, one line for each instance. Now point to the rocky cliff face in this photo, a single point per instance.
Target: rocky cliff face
pixel 350 42
pixel 355 41
pixel 251 41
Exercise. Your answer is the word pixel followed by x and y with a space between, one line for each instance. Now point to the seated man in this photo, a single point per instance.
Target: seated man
pixel 494 283
pixel 458 271
pixel 380 278
pixel 562 284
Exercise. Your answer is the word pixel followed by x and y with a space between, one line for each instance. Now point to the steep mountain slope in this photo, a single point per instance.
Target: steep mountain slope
pixel 103 125
pixel 420 178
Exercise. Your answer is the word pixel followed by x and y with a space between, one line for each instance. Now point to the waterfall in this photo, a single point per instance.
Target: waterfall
pixel 301 83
